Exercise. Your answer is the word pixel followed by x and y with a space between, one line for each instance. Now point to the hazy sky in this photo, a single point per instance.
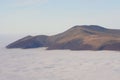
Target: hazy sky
pixel 54 16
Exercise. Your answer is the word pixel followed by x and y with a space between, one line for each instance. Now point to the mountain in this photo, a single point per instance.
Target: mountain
pixel 29 42
pixel 84 37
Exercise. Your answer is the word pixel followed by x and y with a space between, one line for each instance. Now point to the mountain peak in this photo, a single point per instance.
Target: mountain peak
pixel 91 27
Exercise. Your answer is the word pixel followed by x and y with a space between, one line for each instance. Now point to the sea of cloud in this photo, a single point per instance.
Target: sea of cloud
pixel 41 64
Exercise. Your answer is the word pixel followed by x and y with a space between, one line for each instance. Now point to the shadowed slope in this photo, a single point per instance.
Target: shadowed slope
pixel 29 42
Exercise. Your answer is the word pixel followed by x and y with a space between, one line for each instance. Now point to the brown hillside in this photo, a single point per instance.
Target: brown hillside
pixel 85 37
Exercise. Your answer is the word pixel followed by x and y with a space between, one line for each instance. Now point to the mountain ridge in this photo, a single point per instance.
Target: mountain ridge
pixel 84 37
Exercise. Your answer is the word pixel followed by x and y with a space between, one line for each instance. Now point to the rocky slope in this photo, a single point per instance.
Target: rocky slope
pixel 84 37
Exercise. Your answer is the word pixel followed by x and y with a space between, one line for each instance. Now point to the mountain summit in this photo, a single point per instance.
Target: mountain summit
pixel 84 37
pixel 91 27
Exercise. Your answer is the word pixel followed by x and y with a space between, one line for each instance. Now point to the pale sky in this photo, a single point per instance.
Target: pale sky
pixel 55 16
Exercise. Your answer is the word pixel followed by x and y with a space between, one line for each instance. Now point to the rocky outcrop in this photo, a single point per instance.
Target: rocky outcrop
pixel 85 37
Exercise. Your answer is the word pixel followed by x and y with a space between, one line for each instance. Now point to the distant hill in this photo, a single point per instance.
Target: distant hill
pixel 84 37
